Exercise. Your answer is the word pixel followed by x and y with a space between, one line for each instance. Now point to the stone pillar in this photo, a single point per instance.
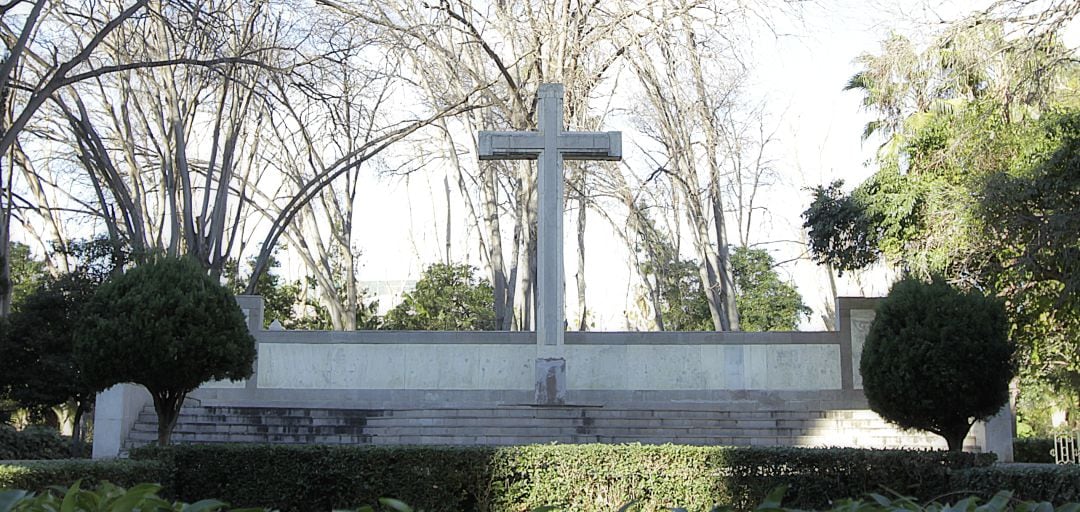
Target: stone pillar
pixel 998 436
pixel 115 411
pixel 252 306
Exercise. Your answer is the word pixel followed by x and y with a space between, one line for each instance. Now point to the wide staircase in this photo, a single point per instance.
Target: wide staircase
pixel 514 425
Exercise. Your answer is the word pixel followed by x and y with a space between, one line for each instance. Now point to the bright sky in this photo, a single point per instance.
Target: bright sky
pixel 799 72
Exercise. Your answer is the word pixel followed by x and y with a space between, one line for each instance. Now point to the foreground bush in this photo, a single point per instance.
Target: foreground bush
pixel 32 443
pixel 38 475
pixel 574 477
pixel 107 498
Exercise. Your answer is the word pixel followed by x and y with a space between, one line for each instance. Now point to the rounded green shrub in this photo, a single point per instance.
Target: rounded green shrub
pixel 34 442
pixel 937 359
pixel 168 326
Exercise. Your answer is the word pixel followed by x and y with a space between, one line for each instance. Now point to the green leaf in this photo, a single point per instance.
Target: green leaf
pixel 70 496
pixel 964 505
pixel 880 500
pixel 134 497
pixel 1043 507
pixel 393 504
pixel 999 503
pixel 8 499
pixel 774 499
pixel 204 506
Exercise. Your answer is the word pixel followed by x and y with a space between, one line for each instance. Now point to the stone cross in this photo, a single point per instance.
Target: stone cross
pixel 550 145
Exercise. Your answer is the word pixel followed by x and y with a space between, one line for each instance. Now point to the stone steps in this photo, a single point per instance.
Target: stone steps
pixel 223 412
pixel 256 424
pixel 526 425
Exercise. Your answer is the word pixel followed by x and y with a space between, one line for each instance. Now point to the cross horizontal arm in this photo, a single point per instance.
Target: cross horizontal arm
pixel 571 145
pixel 510 145
pixel 590 145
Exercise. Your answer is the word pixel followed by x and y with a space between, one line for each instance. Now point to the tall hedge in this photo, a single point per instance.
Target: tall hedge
pixel 576 477
pixel 1040 482
pixel 39 475
pixel 937 359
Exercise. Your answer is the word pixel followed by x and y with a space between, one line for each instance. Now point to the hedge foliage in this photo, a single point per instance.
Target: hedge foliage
pixel 37 475
pixel 32 443
pixel 1033 449
pixel 575 477
pixel 324 477
pixel 1037 482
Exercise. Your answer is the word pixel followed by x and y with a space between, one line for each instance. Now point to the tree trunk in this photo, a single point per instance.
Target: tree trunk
pixel 582 309
pixel 707 261
pixel 829 317
pixel 5 241
pixel 954 436
pixel 167 405
pixel 449 220
pixel 76 428
pixel 721 264
pixel 724 272
pixel 489 203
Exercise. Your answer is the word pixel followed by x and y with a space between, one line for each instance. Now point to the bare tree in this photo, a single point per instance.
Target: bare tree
pixel 52 48
pixel 169 135
pixel 508 49
pixel 681 112
pixel 314 126
pixel 748 167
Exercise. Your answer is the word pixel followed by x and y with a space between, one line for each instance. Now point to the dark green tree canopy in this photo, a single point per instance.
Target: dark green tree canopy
pixel 977 181
pixel 446 298
pixel 289 304
pixel 682 299
pixel 280 297
pixel 26 273
pixel 937 359
pixel 840 231
pixel 1036 208
pixel 164 324
pixel 37 364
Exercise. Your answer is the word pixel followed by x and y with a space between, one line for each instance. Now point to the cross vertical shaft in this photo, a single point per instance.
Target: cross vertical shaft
pixel 550 145
pixel 550 275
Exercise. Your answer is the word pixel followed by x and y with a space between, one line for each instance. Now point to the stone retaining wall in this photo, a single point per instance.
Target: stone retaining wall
pixel 773 371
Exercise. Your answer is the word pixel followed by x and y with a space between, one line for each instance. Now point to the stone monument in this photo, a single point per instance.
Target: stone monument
pixel 550 145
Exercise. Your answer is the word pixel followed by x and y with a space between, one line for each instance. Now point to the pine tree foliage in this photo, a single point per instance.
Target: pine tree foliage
pixel 937 359
pixel 168 326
